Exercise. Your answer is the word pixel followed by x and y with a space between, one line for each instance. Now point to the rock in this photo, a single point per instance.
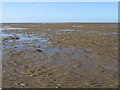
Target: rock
pixel 15 37
pixel 85 56
pixel 77 65
pixel 58 87
pixel 11 37
pixel 38 50
pixel 22 84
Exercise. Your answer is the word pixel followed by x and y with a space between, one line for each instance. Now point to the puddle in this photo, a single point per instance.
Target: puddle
pixel 35 25
pixel 77 26
pixel 70 30
pixel 88 49
pixel 23 40
pixel 12 28
pixel 61 29
pixel 24 37
pixel 115 33
pixel 32 38
pixel 97 32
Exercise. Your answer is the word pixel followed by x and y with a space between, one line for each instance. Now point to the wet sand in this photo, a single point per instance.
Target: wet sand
pixel 60 55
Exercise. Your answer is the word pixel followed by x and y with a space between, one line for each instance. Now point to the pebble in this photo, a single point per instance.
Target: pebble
pixel 23 84
pixel 37 50
pixel 77 65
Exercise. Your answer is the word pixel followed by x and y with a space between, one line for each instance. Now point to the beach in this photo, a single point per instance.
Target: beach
pixel 60 55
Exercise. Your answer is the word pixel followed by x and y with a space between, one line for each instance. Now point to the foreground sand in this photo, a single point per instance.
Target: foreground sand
pixel 68 55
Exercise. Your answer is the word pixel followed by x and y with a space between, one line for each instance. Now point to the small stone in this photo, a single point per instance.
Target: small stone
pixel 38 50
pixel 31 75
pixel 85 56
pixel 15 37
pixel 93 82
pixel 23 84
pixel 77 65
pixel 58 87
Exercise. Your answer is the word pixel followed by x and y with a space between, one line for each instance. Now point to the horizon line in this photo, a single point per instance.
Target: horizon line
pixel 64 22
pixel 61 22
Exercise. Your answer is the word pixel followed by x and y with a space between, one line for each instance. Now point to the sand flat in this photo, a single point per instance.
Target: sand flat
pixel 60 55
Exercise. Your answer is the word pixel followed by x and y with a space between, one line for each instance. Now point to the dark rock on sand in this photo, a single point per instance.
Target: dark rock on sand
pixel 11 38
pixel 37 50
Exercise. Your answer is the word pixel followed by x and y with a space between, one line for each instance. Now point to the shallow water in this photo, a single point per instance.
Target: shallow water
pixel 12 28
pixel 96 32
pixel 70 30
pixel 77 26
pixel 24 37
pixel 24 40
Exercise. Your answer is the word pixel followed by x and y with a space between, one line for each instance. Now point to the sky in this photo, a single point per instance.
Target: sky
pixel 27 12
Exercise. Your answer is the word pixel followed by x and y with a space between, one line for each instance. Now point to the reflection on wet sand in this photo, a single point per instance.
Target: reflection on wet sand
pixel 66 55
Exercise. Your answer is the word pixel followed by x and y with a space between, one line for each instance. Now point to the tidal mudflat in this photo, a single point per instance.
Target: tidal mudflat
pixel 60 55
